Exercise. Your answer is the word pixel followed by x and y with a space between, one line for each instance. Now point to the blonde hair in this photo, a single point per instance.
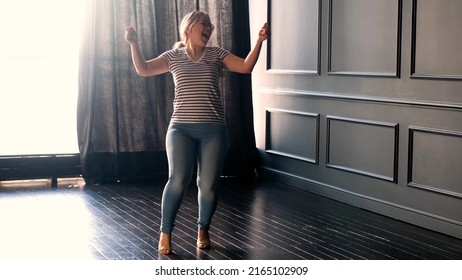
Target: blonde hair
pixel 186 23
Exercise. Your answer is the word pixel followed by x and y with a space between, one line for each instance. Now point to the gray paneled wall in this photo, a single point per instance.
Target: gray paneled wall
pixel 435 160
pixel 302 56
pixel 437 41
pixel 361 101
pixel 364 37
pixel 352 146
pixel 292 134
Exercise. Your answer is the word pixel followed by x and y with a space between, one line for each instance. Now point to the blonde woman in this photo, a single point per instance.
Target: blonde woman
pixel 197 131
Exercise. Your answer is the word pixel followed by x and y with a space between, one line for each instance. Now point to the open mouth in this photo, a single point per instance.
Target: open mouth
pixel 206 36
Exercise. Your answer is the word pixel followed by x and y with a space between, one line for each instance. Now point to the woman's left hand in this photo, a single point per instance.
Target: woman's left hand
pixel 264 33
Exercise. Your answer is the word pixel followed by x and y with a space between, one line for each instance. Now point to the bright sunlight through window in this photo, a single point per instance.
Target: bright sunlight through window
pixel 38 71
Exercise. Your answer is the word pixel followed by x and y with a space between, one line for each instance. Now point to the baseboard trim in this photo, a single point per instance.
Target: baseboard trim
pixel 40 166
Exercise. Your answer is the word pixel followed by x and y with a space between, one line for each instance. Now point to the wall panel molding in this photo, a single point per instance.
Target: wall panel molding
pixel 436 40
pixel 435 160
pixel 286 137
pixel 285 52
pixel 363 98
pixel 365 37
pixel 352 146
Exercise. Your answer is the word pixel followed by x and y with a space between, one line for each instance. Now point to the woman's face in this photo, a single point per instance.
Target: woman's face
pixel 201 31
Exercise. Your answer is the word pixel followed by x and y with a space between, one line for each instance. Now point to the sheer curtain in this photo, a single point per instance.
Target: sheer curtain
pixel 38 69
pixel 123 118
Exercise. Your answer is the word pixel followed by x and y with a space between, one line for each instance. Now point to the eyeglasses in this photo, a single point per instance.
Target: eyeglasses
pixel 208 24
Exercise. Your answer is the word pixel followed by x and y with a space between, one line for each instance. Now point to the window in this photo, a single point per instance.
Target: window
pixel 39 70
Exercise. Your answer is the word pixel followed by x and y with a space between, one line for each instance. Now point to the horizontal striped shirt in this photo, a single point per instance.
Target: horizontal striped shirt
pixel 197 92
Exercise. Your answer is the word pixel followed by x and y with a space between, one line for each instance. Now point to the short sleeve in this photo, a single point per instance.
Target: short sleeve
pixel 168 56
pixel 222 53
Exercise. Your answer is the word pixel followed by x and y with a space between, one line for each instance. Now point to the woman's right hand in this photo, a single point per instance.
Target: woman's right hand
pixel 130 35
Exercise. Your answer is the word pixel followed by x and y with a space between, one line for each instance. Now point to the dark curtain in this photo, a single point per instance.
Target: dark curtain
pixel 123 118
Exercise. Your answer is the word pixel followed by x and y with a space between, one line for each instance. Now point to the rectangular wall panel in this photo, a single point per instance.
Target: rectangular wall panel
pixel 365 147
pixel 292 134
pixel 286 56
pixel 437 39
pixel 365 37
pixel 435 160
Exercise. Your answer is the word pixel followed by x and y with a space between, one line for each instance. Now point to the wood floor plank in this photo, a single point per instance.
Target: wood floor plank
pixel 263 221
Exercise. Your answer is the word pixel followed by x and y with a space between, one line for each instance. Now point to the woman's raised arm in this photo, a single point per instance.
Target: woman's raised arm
pixel 143 68
pixel 237 64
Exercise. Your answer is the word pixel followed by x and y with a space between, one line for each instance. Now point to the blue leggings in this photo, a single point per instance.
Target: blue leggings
pixel 186 143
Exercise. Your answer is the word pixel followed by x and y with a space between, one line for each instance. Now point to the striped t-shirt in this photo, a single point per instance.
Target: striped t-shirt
pixel 197 92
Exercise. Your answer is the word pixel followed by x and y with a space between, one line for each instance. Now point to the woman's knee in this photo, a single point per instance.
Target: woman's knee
pixel 178 183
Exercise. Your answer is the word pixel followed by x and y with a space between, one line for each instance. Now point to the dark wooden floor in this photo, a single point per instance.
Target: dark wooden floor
pixel 265 221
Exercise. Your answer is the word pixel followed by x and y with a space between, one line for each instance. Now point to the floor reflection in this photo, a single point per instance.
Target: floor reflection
pixel 45 224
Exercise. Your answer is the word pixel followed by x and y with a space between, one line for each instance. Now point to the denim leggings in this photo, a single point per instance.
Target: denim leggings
pixel 186 144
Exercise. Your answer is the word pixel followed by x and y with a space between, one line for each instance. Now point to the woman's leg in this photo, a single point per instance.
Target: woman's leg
pixel 181 154
pixel 210 159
